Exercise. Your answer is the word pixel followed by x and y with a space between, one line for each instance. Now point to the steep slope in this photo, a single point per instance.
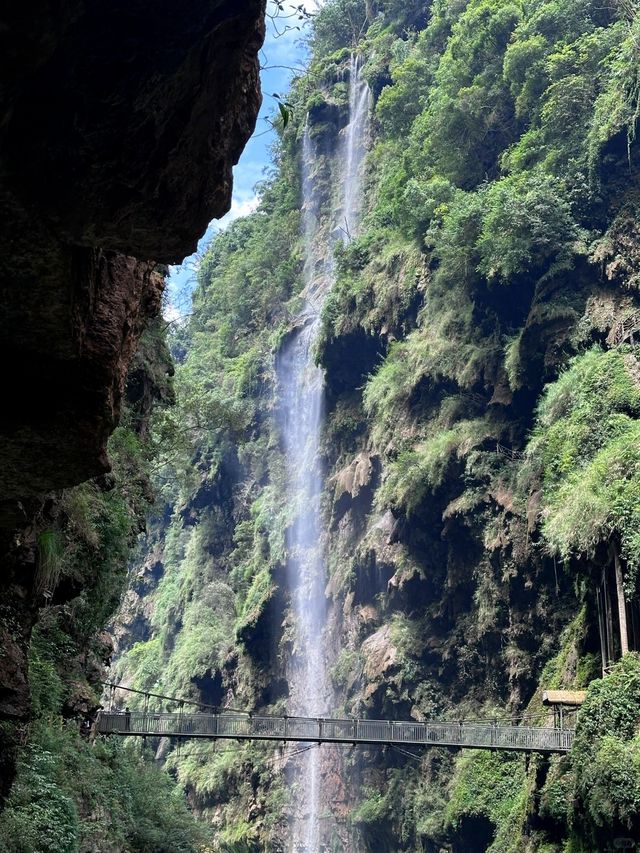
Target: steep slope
pixel 121 123
pixel 480 439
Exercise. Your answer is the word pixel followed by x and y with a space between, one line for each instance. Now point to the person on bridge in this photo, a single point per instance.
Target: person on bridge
pixel 127 719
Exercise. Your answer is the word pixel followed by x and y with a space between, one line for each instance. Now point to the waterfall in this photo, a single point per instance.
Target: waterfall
pixel 354 146
pixel 301 390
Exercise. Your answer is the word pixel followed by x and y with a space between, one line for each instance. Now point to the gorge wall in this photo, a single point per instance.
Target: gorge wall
pixel 108 115
pixel 481 439
pixel 121 124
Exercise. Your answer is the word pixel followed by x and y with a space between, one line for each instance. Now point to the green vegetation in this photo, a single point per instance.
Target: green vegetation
pixel 71 794
pixel 586 442
pixel 489 786
pixel 469 355
pixel 595 792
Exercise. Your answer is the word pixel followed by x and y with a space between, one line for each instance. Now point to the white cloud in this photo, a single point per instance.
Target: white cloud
pixel 239 207
pixel 172 314
pixel 243 203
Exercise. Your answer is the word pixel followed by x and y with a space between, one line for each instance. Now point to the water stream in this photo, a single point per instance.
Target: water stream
pixel 301 388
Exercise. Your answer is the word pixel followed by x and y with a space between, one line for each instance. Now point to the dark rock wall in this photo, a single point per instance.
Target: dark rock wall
pixel 123 131
pixel 120 125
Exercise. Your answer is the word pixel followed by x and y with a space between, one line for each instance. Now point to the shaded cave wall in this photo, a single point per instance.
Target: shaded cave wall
pixel 121 124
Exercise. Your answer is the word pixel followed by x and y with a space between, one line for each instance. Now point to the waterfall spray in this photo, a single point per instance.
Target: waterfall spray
pixel 301 385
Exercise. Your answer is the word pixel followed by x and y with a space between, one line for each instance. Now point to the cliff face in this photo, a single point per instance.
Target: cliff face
pixel 121 127
pixel 480 443
pixel 121 123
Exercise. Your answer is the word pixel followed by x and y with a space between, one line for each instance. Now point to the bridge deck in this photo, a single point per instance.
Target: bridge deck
pixel 255 727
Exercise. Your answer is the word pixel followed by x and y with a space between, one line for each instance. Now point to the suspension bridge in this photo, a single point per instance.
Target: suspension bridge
pixel 216 724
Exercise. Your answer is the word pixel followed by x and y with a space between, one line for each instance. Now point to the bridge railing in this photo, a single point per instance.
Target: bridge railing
pixel 257 727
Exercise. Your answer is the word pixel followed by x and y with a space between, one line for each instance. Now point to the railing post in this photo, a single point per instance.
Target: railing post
pixel 319 729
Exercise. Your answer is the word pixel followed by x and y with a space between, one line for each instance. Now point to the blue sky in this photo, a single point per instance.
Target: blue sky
pixel 283 50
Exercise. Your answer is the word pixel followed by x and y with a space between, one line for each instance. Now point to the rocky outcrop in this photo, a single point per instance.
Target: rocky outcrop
pixel 72 378
pixel 354 477
pixel 121 124
pixel 124 119
pixel 380 656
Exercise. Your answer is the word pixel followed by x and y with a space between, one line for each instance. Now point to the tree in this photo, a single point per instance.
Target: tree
pixel 622 608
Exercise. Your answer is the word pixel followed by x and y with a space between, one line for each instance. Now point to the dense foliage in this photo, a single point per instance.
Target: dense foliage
pixel 586 440
pixel 596 791
pixel 473 359
pixel 72 794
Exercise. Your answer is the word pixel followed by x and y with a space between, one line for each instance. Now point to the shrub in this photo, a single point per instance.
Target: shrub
pixel 526 225
pixel 586 438
pixel 606 754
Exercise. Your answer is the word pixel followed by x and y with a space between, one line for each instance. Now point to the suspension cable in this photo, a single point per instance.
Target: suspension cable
pixel 177 699
pixel 512 719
